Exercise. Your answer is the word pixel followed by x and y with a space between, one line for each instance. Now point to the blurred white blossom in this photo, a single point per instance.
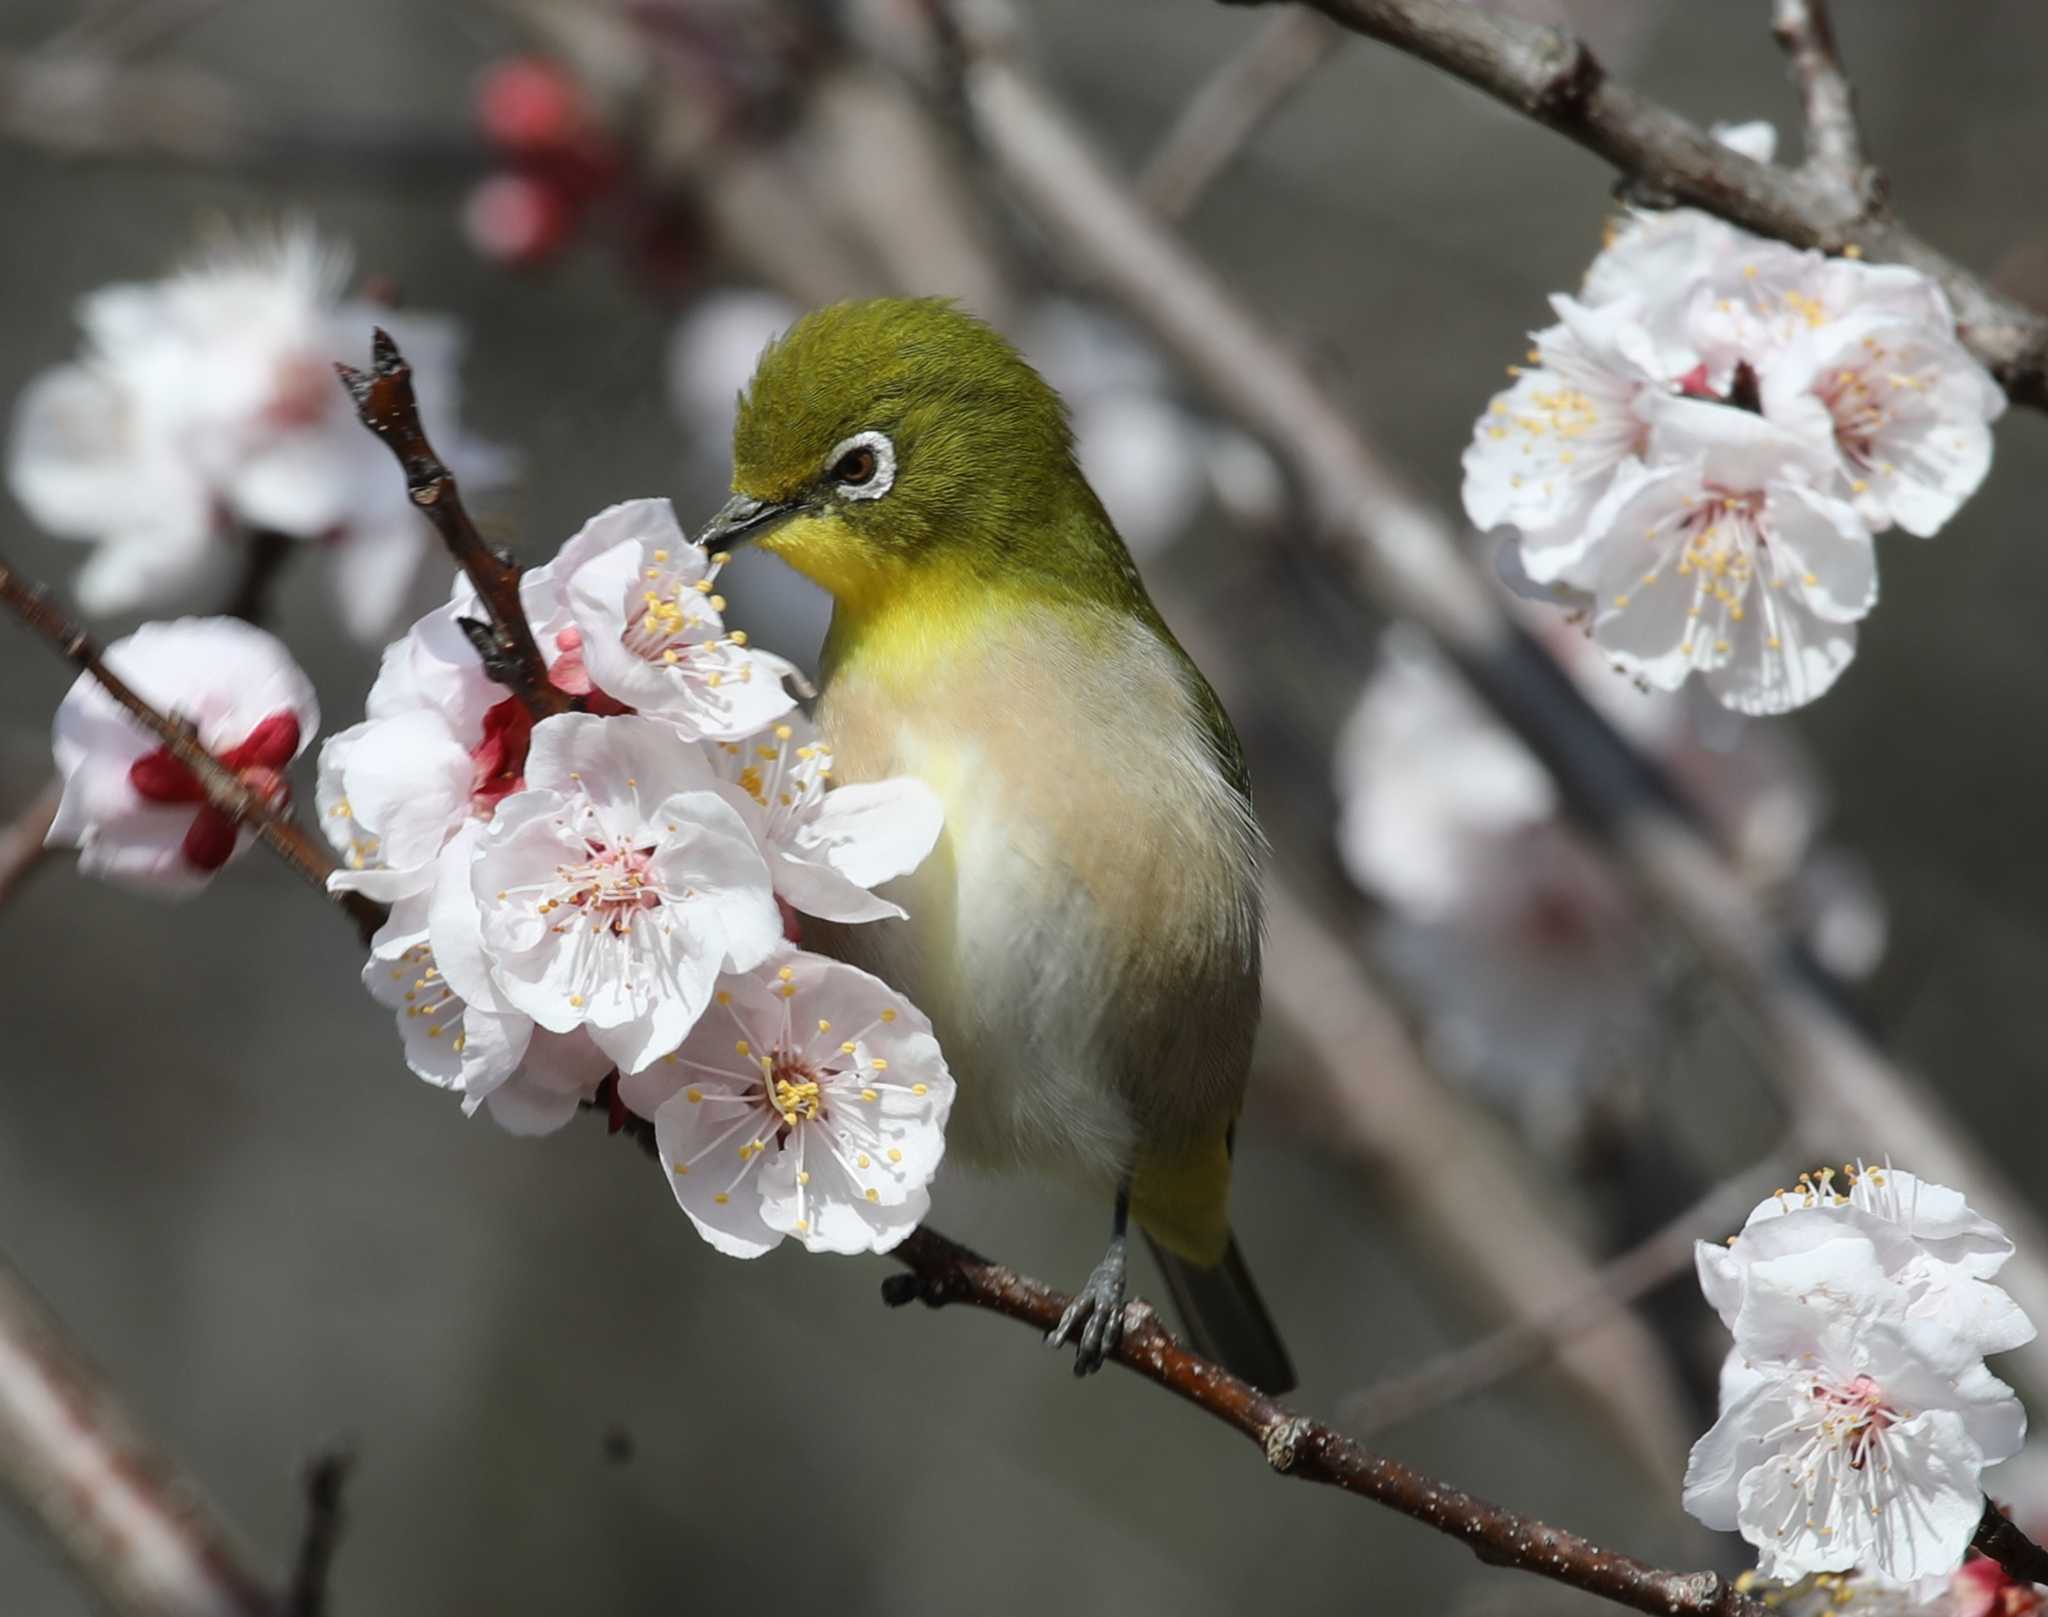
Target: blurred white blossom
pixel 712 356
pixel 136 814
pixel 1702 447
pixel 810 1101
pixel 1857 1414
pixel 1534 972
pixel 204 409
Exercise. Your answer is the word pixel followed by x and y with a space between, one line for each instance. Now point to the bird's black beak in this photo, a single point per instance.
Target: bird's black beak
pixel 741 519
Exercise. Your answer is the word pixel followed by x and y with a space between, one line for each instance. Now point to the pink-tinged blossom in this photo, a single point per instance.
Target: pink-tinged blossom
pixel 531 1080
pixel 649 629
pixel 1548 448
pixel 1534 972
pixel 1850 1436
pixel 609 893
pixel 1723 557
pixel 135 813
pixel 1772 408
pixel 205 409
pixel 810 1101
pixel 827 845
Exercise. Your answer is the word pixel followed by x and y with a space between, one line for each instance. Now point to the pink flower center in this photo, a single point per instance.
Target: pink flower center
pixel 1859 1415
pixel 611 886
pixel 258 761
pixel 302 390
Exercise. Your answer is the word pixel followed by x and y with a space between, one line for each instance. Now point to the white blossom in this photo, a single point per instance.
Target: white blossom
pixel 649 627
pixel 1536 976
pixel 827 845
pixel 1849 1435
pixel 205 408
pixel 137 815
pixel 811 1100
pixel 1703 446
pixel 609 893
pixel 1548 448
pixel 1938 1252
pixel 1722 557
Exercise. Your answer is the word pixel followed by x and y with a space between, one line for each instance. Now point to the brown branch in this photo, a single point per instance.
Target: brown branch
pixel 1553 78
pixel 2001 1541
pixel 1234 105
pixel 384 400
pixel 1459 1374
pixel 136 1527
pixel 1834 141
pixel 943 1272
pixel 22 844
pixel 224 789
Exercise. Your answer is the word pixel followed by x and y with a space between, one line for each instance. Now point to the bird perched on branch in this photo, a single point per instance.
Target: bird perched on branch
pixel 1085 937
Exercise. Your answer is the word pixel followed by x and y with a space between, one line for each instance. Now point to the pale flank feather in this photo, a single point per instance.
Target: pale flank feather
pixel 1085 937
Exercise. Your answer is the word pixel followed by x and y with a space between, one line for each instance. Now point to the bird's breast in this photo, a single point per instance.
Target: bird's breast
pixel 1084 935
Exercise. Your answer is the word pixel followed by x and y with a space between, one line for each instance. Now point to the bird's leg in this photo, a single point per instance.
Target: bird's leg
pixel 1098 1309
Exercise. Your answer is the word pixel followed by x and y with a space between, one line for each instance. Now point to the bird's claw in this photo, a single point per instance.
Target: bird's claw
pixel 1098 1311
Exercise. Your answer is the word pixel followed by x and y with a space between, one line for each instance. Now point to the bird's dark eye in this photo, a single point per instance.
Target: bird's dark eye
pixel 855 467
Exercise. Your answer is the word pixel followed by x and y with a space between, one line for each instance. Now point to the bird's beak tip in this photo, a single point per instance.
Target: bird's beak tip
pixel 741 519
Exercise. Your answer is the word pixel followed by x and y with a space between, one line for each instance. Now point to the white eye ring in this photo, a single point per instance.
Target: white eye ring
pixel 878 481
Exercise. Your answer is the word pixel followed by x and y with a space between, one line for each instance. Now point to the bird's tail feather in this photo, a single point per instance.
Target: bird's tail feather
pixel 1221 1312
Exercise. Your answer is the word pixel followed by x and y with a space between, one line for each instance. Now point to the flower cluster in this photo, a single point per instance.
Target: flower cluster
pixel 205 410
pixel 1699 451
pixel 606 890
pixel 1857 1414
pixel 1532 968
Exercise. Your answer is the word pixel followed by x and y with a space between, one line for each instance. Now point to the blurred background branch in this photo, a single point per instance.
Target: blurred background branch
pixel 137 1528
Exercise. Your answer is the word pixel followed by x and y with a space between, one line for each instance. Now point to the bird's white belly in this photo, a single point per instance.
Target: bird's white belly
pixel 1007 953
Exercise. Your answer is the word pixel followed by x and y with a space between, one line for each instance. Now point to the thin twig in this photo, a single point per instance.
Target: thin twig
pixel 944 1272
pixel 1233 106
pixel 384 400
pixel 1452 1377
pixel 1834 141
pixel 22 844
pixel 325 1479
pixel 1553 78
pixel 224 789
pixel 2012 1549
pixel 137 1528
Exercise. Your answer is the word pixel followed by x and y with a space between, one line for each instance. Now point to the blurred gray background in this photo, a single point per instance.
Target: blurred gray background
pixel 214 1166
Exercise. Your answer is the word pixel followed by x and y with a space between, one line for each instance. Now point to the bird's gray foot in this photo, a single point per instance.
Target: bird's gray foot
pixel 1097 1312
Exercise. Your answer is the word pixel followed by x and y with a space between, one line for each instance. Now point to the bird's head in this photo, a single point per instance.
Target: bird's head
pixel 889 441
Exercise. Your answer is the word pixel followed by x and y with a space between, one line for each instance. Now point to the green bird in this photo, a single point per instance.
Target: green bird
pixel 1085 937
